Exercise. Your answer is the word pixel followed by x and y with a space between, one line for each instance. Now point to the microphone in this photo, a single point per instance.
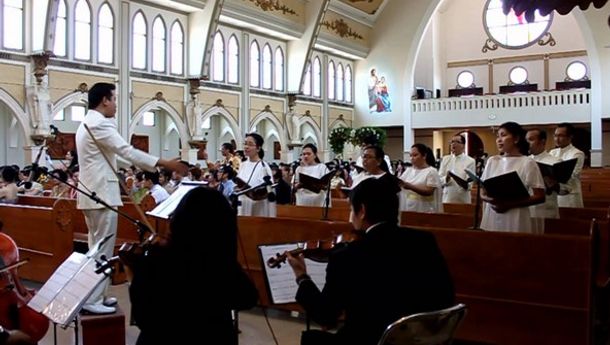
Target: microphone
pixel 54 129
pixel 270 192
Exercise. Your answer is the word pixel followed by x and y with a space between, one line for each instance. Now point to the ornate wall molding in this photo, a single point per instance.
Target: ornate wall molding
pixel 273 5
pixel 340 27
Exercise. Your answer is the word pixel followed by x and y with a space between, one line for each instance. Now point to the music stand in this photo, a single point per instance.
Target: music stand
pixel 62 297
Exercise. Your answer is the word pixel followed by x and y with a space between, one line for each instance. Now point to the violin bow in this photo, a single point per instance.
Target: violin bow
pixel 121 182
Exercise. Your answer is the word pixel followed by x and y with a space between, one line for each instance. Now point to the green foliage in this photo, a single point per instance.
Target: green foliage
pixel 338 137
pixel 369 136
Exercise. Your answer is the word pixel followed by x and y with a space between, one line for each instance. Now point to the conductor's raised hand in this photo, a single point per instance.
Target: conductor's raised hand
pixel 297 262
pixel 175 164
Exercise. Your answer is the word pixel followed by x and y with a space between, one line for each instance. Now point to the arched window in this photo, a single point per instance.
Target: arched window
pixel 348 84
pixel 233 65
pixel 307 80
pixel 105 35
pixel 138 53
pixel 317 77
pixel 267 66
pixel 158 45
pixel 340 81
pixel 218 57
pixel 254 65
pixel 279 69
pixel 13 24
pixel 82 30
pixel 331 80
pixel 61 33
pixel 177 49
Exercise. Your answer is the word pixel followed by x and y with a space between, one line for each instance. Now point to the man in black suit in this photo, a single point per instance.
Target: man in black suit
pixel 390 273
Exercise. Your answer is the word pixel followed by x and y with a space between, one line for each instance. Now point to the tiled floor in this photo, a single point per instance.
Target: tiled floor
pixel 254 329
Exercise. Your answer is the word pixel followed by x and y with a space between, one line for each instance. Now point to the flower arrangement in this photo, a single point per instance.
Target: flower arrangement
pixel 338 137
pixel 369 136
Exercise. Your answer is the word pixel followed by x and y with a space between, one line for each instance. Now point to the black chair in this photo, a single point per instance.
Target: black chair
pixel 431 328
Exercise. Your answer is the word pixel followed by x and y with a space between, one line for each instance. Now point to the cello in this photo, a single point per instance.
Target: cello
pixel 14 312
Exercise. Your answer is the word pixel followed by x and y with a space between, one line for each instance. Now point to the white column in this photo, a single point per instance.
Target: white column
pixel 124 84
pixel 323 150
pixel 244 72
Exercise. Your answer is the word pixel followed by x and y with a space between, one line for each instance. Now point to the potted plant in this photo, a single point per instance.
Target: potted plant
pixel 338 137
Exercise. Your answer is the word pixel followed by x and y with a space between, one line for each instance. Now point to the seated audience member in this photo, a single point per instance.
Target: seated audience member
pixel 27 182
pixel 226 175
pixel 389 273
pixel 59 189
pixel 151 182
pixel 8 186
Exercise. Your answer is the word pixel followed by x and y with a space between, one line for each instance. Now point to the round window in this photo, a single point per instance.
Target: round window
pixel 465 79
pixel 576 70
pixel 517 75
pixel 512 31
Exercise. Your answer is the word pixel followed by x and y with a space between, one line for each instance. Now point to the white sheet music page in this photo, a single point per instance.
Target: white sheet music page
pixel 58 280
pixel 167 207
pixel 281 281
pixel 69 300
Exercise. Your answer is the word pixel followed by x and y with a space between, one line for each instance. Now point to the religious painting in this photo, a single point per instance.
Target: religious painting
pixel 58 147
pixel 379 96
pixel 140 142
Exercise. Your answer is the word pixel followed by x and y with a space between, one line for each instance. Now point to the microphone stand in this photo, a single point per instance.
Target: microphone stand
pixel 142 227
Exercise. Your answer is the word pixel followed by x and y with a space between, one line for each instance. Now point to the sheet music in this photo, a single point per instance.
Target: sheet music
pixel 281 281
pixel 62 296
pixel 167 207
pixel 74 294
pixel 58 280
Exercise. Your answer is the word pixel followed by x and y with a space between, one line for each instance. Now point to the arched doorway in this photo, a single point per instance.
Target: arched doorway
pixel 474 144
pixel 13 128
pixel 267 125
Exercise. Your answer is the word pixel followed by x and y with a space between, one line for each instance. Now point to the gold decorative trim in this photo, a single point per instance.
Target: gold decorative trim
pixel 547 39
pixel 273 5
pixel 489 45
pixel 342 28
pixel 40 66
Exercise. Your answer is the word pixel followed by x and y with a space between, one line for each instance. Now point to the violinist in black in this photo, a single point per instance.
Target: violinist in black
pixel 390 273
pixel 166 290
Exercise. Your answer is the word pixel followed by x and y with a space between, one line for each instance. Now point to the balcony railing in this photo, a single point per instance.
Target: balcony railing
pixel 525 108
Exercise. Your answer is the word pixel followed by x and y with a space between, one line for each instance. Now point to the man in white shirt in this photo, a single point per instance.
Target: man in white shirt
pixel 549 209
pixel 457 162
pixel 570 194
pixel 151 182
pixel 98 176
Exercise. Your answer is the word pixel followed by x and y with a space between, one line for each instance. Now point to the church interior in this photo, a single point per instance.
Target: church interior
pixel 191 75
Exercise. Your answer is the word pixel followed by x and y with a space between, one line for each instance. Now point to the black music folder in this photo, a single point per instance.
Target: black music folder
pixel 560 171
pixel 460 181
pixel 503 187
pixel 315 184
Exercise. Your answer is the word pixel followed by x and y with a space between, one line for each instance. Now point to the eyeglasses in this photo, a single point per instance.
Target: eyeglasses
pixel 455 142
pixel 249 144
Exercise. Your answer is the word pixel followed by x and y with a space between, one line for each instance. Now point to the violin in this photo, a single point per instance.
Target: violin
pixel 315 250
pixel 14 312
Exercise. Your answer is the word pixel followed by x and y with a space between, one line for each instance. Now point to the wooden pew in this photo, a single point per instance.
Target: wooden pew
pixel 43 235
pixel 312 213
pixel 584 213
pixel 521 289
pixel 254 231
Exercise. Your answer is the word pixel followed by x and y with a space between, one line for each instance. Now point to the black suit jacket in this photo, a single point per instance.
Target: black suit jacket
pixel 392 272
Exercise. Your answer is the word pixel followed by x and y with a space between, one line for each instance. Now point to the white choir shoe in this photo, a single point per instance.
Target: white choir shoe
pixel 110 301
pixel 98 309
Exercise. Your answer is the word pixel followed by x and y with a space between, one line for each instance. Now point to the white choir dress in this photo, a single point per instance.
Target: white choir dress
pixel 414 202
pixel 573 187
pixel 457 164
pixel 253 173
pixel 516 219
pixel 305 197
pixel 548 209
